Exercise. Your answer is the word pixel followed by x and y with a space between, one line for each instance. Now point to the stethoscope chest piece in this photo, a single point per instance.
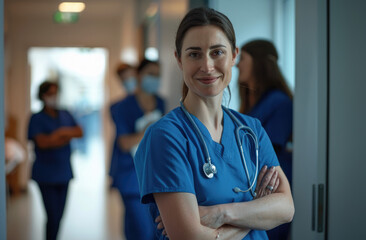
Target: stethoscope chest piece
pixel 209 169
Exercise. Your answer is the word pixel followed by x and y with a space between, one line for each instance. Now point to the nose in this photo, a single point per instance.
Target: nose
pixel 207 65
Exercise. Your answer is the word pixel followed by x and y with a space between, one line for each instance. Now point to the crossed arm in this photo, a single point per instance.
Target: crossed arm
pixel 58 138
pixel 182 218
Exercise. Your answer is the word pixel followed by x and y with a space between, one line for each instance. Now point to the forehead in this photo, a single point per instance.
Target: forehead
pixel 204 36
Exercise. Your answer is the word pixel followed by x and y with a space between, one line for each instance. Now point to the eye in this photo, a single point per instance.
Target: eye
pixel 218 52
pixel 194 54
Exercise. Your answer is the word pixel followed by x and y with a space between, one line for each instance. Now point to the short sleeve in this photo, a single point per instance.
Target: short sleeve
pixel 34 127
pixel 113 111
pixel 162 163
pixel 71 119
pixel 122 125
pixel 279 123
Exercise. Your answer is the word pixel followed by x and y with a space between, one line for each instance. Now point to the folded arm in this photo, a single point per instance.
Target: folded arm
pixel 262 213
pixel 58 138
pixel 180 215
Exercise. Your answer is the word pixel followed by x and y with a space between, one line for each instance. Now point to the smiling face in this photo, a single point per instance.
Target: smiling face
pixel 206 60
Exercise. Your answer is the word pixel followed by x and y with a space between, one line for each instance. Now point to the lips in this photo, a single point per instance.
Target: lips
pixel 207 80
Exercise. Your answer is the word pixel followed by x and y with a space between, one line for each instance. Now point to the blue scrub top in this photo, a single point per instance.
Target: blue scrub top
pixel 274 110
pixel 125 113
pixel 170 159
pixel 51 166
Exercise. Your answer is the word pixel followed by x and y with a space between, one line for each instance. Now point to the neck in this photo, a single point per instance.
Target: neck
pixel 50 111
pixel 146 101
pixel 208 111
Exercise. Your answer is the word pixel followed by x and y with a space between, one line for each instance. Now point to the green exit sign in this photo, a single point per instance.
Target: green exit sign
pixel 66 17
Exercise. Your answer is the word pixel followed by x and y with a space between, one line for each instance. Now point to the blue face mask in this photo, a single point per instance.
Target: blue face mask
pixel 150 84
pixel 130 84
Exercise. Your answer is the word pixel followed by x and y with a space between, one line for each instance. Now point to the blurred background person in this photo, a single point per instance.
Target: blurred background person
pixel 132 116
pixel 127 78
pixel 51 130
pixel 265 95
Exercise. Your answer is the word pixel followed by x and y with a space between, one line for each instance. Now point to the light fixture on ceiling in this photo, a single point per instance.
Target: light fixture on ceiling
pixel 74 7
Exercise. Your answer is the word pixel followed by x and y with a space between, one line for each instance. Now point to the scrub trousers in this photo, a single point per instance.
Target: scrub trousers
pixel 54 200
pixel 138 223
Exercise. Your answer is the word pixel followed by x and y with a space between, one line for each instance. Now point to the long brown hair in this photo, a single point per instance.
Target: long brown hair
pixel 266 73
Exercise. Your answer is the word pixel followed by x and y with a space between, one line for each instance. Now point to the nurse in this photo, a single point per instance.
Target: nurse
pixel 132 116
pixel 171 156
pixel 127 79
pixel 265 95
pixel 51 130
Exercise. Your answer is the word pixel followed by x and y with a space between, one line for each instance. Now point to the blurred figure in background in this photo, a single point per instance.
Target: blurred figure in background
pixel 265 95
pixel 132 116
pixel 51 130
pixel 127 78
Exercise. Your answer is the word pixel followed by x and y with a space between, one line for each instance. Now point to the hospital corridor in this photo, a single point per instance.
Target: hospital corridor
pixel 141 113
pixel 93 210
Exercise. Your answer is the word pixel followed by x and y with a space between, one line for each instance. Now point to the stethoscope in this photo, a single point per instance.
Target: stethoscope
pixel 209 169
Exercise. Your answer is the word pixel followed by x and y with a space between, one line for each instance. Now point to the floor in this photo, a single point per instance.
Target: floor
pixel 93 211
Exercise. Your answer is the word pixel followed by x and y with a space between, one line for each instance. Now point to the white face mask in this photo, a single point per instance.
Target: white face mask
pixel 51 101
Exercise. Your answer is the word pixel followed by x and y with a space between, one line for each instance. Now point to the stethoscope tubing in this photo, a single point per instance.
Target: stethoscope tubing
pixel 240 126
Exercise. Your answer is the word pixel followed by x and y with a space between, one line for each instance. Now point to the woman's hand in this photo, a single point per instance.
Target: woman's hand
pixel 267 178
pixel 160 225
pixel 211 216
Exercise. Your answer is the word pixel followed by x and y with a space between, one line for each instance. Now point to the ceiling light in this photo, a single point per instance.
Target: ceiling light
pixel 71 7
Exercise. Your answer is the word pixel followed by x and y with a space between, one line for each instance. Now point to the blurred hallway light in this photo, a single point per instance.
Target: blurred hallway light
pixel 71 7
pixel 152 54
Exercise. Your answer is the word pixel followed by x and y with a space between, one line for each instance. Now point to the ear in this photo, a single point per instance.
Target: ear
pixel 178 60
pixel 236 52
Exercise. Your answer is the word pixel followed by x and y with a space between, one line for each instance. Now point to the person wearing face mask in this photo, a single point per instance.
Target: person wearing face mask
pixel 132 116
pixel 127 79
pixel 51 130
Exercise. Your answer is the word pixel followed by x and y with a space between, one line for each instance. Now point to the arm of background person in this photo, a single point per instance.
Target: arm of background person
pixel 180 215
pixel 262 213
pixel 58 138
pixel 127 141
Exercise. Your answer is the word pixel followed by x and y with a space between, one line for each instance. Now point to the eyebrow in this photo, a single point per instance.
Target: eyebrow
pixel 212 47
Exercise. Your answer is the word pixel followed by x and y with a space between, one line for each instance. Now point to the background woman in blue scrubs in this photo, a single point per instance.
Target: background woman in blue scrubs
pixel 127 79
pixel 265 95
pixel 51 130
pixel 131 117
pixel 170 157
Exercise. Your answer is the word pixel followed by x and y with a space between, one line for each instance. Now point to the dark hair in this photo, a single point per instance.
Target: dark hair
pixel 44 87
pixel 144 63
pixel 123 67
pixel 266 72
pixel 203 17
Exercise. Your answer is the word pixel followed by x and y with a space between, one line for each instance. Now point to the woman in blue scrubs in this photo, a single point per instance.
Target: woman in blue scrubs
pixel 265 95
pixel 127 78
pixel 131 117
pixel 171 156
pixel 51 130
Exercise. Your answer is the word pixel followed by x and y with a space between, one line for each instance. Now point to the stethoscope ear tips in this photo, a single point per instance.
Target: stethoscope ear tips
pixel 209 169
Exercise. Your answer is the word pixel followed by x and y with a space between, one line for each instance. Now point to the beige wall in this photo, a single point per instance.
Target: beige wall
pixel 171 13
